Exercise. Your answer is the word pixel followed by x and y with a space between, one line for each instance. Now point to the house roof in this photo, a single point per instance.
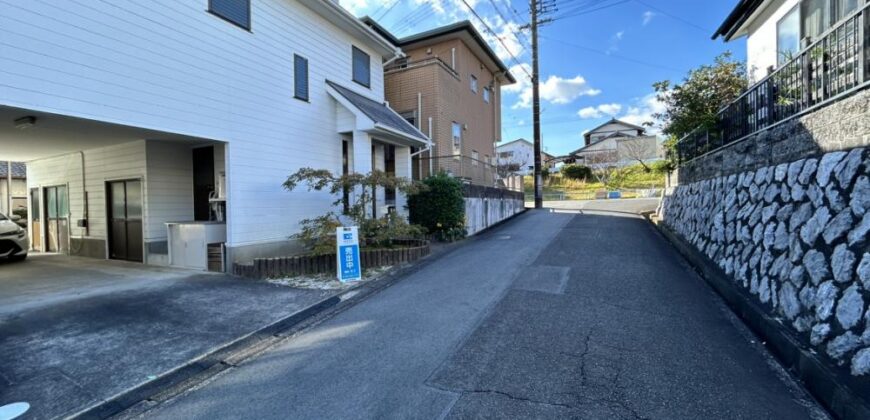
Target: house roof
pixel 337 15
pixel 378 112
pixel 459 28
pixel 735 20
pixel 514 141
pixel 19 170
pixel 615 121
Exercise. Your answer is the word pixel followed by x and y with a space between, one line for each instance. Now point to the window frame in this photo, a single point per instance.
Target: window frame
pixel 473 83
pixel 457 149
pixel 246 26
pixel 354 50
pixel 795 9
pixel 307 97
pixel 487 94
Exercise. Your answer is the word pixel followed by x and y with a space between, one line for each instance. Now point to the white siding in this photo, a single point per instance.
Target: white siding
pixel 169 186
pixel 523 154
pixel 124 161
pixel 761 42
pixel 169 65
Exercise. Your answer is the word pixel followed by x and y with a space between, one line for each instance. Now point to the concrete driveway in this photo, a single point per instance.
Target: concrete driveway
pixel 76 331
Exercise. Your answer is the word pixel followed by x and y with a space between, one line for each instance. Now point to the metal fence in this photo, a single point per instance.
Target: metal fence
pixel 835 65
pixel 474 171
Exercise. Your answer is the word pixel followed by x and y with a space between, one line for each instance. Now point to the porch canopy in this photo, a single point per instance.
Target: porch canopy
pixel 377 118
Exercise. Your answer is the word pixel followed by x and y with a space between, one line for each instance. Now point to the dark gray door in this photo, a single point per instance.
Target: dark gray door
pixel 125 220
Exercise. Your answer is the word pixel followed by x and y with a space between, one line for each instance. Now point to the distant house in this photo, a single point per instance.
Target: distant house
pixel 519 156
pixel 617 143
pixel 13 188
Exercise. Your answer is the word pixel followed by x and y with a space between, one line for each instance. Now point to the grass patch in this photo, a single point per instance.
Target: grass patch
pixel 626 179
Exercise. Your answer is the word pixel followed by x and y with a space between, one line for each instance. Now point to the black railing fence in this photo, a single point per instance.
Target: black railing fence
pixel 835 65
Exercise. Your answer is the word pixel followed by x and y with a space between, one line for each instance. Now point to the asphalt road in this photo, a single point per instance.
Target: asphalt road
pixel 552 315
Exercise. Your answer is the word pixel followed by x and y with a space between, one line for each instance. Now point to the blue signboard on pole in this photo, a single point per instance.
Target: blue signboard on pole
pixel 348 264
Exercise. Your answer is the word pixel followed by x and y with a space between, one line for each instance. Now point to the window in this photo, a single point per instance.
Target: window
pixel 457 140
pixel 237 12
pixel 486 94
pixel 300 77
pixel 410 117
pixel 845 7
pixel 473 84
pixel 788 36
pixel 816 16
pixel 474 157
pixel 361 67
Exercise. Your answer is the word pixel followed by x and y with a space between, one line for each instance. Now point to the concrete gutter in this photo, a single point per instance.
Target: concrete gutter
pixel 142 397
pixel 823 383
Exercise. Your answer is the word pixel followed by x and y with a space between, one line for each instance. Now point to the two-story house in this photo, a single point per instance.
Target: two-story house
pixel 162 131
pixel 617 142
pixel 449 86
pixel 518 157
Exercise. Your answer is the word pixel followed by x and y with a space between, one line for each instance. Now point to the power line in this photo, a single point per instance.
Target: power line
pixel 506 20
pixel 605 53
pixel 677 18
pixel 483 22
pixel 389 9
pixel 586 10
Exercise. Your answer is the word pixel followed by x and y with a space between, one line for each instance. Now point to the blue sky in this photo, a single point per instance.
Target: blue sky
pixel 599 58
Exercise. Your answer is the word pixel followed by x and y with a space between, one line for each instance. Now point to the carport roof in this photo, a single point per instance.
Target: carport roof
pixel 19 170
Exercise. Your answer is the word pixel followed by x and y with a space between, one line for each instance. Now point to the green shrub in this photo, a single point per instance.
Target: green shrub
pixel 662 167
pixel 575 171
pixel 439 207
pixel 545 172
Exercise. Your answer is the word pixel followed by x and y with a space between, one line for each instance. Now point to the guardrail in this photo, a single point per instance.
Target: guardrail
pixel 832 67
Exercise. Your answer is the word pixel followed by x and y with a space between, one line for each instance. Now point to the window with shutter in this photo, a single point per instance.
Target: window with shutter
pixel 300 77
pixel 237 12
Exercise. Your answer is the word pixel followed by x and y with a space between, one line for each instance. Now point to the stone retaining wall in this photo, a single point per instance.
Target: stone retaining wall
pixel 842 125
pixel 794 237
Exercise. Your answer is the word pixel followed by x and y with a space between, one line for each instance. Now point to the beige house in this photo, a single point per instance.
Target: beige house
pixel 449 86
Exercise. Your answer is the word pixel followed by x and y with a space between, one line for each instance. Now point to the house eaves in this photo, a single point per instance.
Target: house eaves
pixel 463 30
pixel 736 22
pixel 338 16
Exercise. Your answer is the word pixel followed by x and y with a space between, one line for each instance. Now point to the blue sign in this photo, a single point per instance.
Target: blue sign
pixel 348 261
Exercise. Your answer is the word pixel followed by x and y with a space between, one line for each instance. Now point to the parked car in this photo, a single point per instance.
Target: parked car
pixel 14 242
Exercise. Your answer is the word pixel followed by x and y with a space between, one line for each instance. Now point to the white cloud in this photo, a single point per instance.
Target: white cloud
pixel 642 112
pixel 614 42
pixel 648 17
pixel 599 111
pixel 555 90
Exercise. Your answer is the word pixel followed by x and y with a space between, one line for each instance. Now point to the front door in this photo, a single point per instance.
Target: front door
pixel 57 219
pixel 125 220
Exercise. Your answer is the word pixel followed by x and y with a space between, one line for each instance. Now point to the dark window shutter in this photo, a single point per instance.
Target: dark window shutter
pixel 235 11
pixel 361 67
pixel 300 77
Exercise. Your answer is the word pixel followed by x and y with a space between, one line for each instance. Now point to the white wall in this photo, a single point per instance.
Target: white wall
pixel 123 161
pixel 171 66
pixel 761 42
pixel 169 187
pixel 523 154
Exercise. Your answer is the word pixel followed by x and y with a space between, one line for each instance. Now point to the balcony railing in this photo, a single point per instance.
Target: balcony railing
pixel 474 171
pixel 404 63
pixel 833 66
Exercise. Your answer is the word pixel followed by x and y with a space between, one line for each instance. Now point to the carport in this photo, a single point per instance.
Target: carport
pixel 108 191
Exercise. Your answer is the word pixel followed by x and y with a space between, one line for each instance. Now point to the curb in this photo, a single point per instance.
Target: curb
pixel 823 383
pixel 140 398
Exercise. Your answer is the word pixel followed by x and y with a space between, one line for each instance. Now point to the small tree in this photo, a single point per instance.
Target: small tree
pixel 439 207
pixel 603 166
pixel 696 102
pixel 638 149
pixel 318 233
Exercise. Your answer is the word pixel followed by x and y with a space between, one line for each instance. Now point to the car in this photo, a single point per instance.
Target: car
pixel 14 242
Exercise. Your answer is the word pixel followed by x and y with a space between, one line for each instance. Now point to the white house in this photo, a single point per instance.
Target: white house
pixel 520 154
pixel 776 30
pixel 161 131
pixel 619 143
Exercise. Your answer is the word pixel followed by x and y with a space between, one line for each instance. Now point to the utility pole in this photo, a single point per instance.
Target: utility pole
pixel 537 8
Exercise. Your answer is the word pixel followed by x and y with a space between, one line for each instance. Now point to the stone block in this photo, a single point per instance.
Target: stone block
pixel 850 307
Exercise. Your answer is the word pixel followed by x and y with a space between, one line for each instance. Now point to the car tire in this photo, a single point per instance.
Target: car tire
pixel 18 257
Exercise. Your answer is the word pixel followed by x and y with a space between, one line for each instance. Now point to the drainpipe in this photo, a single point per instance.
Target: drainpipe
pixel 9 188
pixel 85 197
